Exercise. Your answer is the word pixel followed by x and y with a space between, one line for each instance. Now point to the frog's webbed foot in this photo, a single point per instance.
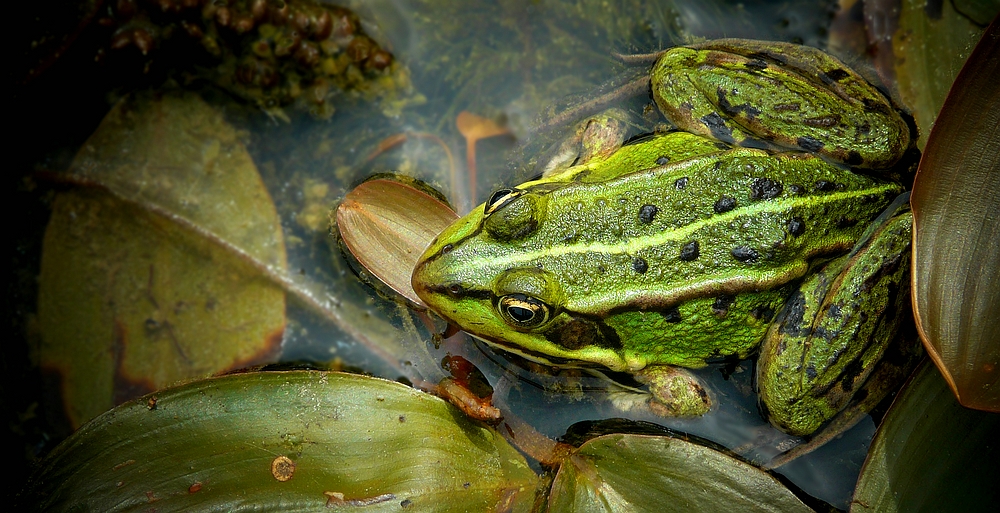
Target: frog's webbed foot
pixel 675 392
pixel 835 330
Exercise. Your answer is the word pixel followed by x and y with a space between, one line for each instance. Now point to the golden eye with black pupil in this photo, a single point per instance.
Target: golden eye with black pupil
pixel 500 198
pixel 521 311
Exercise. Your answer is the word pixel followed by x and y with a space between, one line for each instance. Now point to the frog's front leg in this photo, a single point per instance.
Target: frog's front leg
pixel 597 136
pixel 835 330
pixel 675 391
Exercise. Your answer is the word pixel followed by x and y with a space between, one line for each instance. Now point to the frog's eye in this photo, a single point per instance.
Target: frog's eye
pixel 500 198
pixel 521 311
pixel 514 214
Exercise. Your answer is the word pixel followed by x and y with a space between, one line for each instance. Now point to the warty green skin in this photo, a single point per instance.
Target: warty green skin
pixel 573 241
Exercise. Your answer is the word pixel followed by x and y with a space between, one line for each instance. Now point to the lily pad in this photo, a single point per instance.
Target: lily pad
pixel 956 210
pixel 622 472
pixel 151 269
pixel 931 454
pixel 284 441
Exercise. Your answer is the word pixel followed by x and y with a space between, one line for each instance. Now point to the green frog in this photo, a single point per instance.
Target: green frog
pixel 754 227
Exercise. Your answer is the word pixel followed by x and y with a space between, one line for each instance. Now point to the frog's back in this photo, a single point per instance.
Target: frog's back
pixel 674 263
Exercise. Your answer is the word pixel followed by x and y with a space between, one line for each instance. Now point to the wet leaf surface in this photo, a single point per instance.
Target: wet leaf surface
pixel 386 224
pixel 979 12
pixel 622 472
pixel 956 207
pixel 931 44
pixel 284 441
pixel 146 275
pixel 174 153
pixel 931 454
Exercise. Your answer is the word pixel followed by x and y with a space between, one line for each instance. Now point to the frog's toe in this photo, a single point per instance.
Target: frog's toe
pixel 675 392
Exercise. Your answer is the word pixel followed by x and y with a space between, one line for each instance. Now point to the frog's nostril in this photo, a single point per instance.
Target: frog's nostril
pixel 455 290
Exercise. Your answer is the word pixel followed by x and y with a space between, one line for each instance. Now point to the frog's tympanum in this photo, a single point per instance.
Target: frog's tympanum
pixel 755 227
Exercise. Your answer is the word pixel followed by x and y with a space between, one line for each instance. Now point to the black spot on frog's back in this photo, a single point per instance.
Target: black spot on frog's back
pixel 848 379
pixel 768 57
pixel 822 121
pixel 796 226
pixel 745 254
pixel 764 188
pixel 825 186
pixel 724 204
pixel 845 222
pixel 872 105
pixel 647 213
pixel 731 110
pixel 690 252
pixel 763 313
pixel 794 315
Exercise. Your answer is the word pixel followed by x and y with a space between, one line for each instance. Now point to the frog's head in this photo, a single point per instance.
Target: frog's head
pixel 487 275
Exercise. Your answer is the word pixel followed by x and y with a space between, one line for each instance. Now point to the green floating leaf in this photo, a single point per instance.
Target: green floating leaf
pixel 284 441
pixel 931 454
pixel 977 11
pixel 623 472
pixel 151 272
pixel 932 42
pixel 387 222
pixel 173 153
pixel 956 211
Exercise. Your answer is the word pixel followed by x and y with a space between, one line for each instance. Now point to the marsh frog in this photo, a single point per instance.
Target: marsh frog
pixel 752 227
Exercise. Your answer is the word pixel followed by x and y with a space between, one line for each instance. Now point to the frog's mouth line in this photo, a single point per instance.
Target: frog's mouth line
pixel 537 356
pixel 593 369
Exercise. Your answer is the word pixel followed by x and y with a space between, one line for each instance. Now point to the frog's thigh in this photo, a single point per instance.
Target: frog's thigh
pixel 834 330
pixel 675 82
pixel 676 392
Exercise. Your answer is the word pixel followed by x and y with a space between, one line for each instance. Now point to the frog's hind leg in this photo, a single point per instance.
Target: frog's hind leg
pixel 835 329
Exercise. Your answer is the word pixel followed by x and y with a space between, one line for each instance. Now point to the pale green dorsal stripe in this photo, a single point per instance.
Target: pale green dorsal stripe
pixel 637 244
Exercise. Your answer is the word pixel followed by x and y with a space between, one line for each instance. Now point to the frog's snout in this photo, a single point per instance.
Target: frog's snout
pixel 420 278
